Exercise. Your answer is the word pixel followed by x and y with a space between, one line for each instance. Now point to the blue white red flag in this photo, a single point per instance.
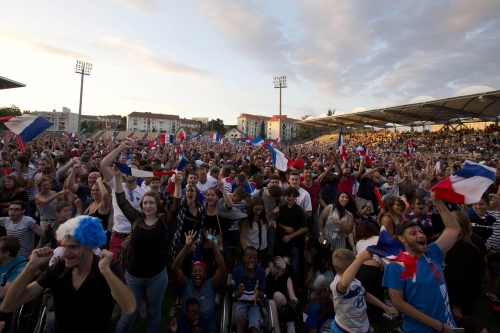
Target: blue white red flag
pixel 26 126
pixel 215 136
pixel 257 142
pixel 340 144
pixel 466 186
pixel 196 137
pixel 283 163
pixel 126 170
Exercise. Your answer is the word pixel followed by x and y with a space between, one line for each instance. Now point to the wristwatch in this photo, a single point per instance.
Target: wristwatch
pixel 321 233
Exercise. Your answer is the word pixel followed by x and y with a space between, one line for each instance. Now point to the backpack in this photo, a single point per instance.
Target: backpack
pixel 124 250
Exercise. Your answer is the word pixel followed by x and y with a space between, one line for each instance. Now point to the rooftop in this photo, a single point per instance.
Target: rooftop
pixel 153 115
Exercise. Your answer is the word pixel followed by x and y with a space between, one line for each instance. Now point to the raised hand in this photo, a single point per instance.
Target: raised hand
pixel 105 260
pixel 40 257
pixel 190 237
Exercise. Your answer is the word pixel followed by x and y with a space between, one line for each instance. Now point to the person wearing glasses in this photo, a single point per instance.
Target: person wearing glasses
pixel 23 227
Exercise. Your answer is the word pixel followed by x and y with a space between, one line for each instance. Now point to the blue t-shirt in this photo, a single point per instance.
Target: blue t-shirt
pixel 427 294
pixel 15 272
pixel 182 326
pixel 240 276
pixel 313 320
pixel 206 297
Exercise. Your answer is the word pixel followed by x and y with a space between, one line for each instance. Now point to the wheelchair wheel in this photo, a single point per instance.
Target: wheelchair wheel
pixel 25 318
pixel 40 325
pixel 225 322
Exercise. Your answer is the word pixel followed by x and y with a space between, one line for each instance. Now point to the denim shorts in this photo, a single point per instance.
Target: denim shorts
pixel 251 312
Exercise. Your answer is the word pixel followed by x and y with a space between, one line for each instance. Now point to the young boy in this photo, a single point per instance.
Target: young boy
pixel 191 320
pixel 64 210
pixel 390 189
pixel 249 284
pixel 349 295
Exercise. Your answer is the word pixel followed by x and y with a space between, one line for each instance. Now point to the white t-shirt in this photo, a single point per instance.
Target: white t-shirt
pixel 391 190
pixel 210 183
pixel 362 244
pixel 304 200
pixel 120 223
pixel 350 307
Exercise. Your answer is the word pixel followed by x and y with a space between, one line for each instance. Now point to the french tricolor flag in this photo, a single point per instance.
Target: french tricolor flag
pixel 340 144
pixel 126 170
pixel 362 152
pixel 215 136
pixel 257 142
pixel 283 163
pixel 466 186
pixel 26 126
pixel 195 137
pixel 180 136
pixel 277 141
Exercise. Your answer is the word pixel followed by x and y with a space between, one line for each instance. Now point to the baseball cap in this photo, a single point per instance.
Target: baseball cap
pixel 215 169
pixel 400 228
pixel 202 264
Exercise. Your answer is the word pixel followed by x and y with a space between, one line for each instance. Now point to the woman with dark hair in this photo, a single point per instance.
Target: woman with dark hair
pixel 253 229
pixel 480 219
pixel 11 191
pixel 336 221
pixel 146 274
pixel 391 214
pixel 465 265
pixel 320 275
pixel 370 273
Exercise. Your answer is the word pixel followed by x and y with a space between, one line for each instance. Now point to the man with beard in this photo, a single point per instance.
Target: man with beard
pixel 409 290
pixel 77 280
pixel 134 194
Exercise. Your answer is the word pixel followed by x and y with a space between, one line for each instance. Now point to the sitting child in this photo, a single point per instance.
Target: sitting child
pixel 349 295
pixel 190 322
pixel 249 284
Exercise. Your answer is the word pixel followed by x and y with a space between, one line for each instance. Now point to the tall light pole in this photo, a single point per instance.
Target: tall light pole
pixel 83 68
pixel 279 82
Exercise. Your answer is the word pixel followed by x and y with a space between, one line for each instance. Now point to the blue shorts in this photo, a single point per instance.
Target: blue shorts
pixel 250 312
pixel 334 328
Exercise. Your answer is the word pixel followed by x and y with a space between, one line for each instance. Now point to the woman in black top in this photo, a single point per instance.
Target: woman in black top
pixel 145 273
pixel 465 266
pixel 101 206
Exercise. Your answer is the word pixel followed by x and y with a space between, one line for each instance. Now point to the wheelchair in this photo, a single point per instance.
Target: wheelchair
pixel 24 319
pixel 228 317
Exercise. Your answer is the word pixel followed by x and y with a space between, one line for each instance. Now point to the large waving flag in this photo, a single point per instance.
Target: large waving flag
pixel 362 152
pixel 466 186
pixel 126 170
pixel 283 163
pixel 215 136
pixel 340 144
pixel 195 137
pixel 257 142
pixel 180 136
pixel 26 126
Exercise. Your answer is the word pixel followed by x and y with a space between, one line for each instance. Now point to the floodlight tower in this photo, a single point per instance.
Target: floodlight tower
pixel 83 68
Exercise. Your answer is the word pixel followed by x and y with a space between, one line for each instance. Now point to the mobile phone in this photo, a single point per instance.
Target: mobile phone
pixel 212 237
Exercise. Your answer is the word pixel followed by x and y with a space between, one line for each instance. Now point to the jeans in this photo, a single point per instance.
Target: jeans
pixel 297 262
pixel 153 289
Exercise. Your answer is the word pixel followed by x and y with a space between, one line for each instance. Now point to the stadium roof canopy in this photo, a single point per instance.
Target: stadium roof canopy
pixel 7 83
pixel 453 110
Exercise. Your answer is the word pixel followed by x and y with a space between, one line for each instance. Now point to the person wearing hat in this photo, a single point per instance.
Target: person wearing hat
pixel 83 284
pixel 198 286
pixel 410 294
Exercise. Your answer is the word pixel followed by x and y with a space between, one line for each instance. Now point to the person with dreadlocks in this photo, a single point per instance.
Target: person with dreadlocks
pixel 77 280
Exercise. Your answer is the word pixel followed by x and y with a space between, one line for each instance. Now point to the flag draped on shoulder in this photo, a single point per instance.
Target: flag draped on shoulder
pixel 466 186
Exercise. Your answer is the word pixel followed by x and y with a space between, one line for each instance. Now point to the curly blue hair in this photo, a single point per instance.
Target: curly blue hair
pixel 86 230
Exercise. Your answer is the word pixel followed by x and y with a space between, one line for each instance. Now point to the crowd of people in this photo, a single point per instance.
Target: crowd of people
pixel 113 220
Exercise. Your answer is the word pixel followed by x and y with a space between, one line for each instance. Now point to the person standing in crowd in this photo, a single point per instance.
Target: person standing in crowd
pixel 11 191
pixel 410 294
pixel 494 243
pixel 391 214
pixel 46 201
pixel 336 222
pixel 253 230
pixel 134 194
pixel 145 271
pixel 77 281
pixel 21 226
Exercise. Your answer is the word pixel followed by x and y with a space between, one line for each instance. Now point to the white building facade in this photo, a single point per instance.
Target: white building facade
pixel 273 127
pixel 153 122
pixel 65 121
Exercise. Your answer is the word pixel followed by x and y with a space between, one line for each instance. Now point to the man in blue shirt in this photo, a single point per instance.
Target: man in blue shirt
pixel 249 284
pixel 11 263
pixel 410 292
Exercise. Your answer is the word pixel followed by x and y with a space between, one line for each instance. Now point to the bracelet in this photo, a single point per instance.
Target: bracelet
pixel 442 328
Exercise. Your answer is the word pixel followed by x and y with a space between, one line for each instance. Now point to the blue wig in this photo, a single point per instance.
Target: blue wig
pixel 86 230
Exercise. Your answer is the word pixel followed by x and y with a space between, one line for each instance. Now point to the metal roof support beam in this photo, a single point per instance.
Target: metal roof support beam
pixel 455 112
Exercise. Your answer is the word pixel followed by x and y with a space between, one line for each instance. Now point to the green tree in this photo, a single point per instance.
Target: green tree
pixel 330 112
pixel 262 132
pixel 216 125
pixel 9 111
pixel 122 126
pixel 304 132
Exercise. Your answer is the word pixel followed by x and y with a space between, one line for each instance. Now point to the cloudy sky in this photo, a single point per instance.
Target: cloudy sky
pixel 217 58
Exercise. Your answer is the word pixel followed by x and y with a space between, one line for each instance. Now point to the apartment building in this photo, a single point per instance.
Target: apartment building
pixel 64 121
pixel 107 122
pixel 274 127
pixel 190 123
pixel 153 122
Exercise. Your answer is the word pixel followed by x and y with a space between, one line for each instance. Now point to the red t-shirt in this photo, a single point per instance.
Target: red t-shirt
pixel 313 191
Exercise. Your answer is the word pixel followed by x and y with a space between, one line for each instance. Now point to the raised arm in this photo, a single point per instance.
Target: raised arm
pixel 179 277
pixel 105 196
pixel 110 158
pixel 219 274
pixel 450 234
pixel 351 271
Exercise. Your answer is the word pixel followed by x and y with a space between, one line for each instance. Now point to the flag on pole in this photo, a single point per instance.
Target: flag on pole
pixel 195 137
pixel 163 138
pixel 277 140
pixel 180 136
pixel 215 136
pixel 171 138
pixel 151 144
pixel 466 186
pixel 362 152
pixel 340 144
pixel 281 162
pixel 114 135
pixel 26 126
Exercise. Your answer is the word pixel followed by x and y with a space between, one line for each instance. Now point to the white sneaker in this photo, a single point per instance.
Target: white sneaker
pixel 230 279
pixel 290 327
